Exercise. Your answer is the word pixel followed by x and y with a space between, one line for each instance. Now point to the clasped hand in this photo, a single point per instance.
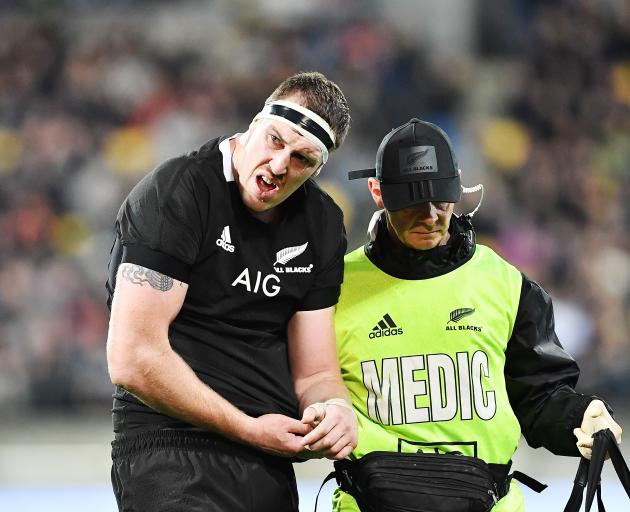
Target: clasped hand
pixel 327 429
pixel 596 418
pixel 334 429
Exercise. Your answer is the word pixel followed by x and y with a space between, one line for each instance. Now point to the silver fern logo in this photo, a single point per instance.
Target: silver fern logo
pixel 414 157
pixel 456 316
pixel 287 254
pixel 417 159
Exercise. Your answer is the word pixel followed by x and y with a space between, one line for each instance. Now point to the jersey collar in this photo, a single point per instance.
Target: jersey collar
pixel 226 151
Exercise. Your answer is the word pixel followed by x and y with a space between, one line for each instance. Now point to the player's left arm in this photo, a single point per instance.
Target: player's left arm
pixel 324 399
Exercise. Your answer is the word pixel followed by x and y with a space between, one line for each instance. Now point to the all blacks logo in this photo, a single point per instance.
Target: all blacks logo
pixel 287 254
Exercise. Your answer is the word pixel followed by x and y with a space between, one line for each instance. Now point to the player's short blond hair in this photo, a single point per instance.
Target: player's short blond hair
pixel 322 96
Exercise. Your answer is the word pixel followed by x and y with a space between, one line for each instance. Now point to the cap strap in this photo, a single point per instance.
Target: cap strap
pixel 361 173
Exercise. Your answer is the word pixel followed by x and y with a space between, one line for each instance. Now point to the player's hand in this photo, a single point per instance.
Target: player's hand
pixel 314 413
pixel 335 427
pixel 279 435
pixel 596 418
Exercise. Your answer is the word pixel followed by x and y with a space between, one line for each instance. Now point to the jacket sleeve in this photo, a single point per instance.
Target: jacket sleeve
pixel 541 376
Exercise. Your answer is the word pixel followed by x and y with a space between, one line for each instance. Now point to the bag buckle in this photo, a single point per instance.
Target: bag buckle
pixel 342 475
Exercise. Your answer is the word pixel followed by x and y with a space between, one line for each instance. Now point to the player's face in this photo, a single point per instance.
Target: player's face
pixel 272 161
pixel 422 226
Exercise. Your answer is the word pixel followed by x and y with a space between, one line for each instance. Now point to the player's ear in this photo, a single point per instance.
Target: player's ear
pixel 375 189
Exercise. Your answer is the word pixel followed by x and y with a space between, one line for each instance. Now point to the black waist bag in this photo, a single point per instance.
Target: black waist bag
pixel 423 482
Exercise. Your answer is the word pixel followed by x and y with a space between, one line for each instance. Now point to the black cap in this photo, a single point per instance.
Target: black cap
pixel 415 163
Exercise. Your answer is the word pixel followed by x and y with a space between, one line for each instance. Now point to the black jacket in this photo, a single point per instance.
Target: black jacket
pixel 539 374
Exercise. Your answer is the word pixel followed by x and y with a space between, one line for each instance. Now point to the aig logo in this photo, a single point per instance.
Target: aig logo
pixel 269 284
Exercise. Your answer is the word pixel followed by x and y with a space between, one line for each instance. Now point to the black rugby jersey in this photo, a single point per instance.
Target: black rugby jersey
pixel 246 278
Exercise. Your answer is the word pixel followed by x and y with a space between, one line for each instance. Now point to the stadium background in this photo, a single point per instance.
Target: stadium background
pixel 535 95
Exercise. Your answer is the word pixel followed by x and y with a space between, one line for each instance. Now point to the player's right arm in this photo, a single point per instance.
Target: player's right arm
pixel 141 360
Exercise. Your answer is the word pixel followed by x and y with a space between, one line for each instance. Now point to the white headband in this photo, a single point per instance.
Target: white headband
pixel 305 121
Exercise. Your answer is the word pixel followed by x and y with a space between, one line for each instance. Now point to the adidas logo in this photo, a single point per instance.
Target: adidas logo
pixel 225 240
pixel 385 327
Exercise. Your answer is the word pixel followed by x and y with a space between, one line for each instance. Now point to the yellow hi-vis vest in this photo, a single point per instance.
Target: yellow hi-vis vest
pixel 424 360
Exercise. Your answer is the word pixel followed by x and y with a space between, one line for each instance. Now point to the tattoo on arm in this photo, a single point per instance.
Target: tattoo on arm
pixel 138 275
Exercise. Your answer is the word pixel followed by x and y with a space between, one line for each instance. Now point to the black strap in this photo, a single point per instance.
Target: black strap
pixel 361 173
pixel 594 482
pixel 527 480
pixel 343 475
pixel 579 484
pixel 589 473
pixel 329 477
pixel 503 477
pixel 621 468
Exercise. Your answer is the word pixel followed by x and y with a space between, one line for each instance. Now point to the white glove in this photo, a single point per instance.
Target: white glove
pixel 596 418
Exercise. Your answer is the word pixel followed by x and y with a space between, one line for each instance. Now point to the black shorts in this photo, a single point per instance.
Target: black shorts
pixel 177 471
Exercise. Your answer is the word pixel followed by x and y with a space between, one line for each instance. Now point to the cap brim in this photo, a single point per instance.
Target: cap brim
pixel 397 196
pixel 362 173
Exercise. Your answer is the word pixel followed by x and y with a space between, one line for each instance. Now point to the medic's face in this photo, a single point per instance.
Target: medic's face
pixel 420 227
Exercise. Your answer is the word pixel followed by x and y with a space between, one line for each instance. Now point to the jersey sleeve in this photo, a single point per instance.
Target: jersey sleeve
pixel 160 225
pixel 541 376
pixel 327 284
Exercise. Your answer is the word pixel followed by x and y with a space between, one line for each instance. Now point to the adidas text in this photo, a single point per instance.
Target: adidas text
pixel 225 245
pixel 386 332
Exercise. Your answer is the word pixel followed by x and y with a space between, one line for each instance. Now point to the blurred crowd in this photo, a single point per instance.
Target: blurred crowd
pixel 87 108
